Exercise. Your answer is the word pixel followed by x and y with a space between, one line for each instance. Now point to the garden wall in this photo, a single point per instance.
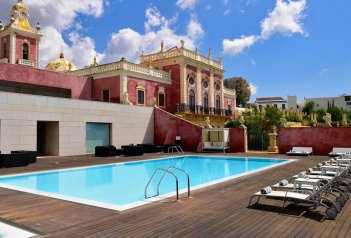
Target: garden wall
pixel 322 139
pixel 167 127
pixel 238 140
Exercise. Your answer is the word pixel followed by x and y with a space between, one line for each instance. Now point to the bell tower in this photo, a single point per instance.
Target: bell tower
pixel 19 42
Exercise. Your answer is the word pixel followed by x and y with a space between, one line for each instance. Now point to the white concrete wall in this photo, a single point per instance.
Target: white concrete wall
pixel 19 114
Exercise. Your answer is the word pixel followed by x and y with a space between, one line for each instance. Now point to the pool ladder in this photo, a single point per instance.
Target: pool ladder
pixel 173 149
pixel 165 172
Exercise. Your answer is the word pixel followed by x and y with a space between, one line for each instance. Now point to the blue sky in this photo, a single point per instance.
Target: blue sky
pixel 282 47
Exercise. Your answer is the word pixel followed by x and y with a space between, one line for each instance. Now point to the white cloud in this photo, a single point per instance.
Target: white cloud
pixel 324 71
pixel 194 29
pixel 285 18
pixel 253 62
pixel 129 43
pixel 253 89
pixel 237 46
pixel 186 4
pixel 154 18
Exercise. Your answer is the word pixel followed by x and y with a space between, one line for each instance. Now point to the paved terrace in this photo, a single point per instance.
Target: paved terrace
pixel 217 211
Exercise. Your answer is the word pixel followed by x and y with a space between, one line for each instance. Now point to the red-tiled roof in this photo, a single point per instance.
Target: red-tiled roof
pixel 270 99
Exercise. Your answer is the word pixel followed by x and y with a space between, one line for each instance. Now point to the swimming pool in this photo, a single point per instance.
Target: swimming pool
pixel 121 186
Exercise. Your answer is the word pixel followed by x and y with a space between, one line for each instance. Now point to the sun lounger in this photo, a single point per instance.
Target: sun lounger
pixel 306 151
pixel 338 151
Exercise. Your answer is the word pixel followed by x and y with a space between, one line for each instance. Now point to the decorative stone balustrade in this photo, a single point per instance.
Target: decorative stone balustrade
pixel 24 62
pixel 4 60
pixel 123 65
pixel 181 52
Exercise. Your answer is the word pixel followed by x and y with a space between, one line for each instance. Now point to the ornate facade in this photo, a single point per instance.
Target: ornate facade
pixel 18 40
pixel 178 80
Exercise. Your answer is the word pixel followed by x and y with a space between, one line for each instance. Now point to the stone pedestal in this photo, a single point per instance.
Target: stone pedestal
pixel 273 143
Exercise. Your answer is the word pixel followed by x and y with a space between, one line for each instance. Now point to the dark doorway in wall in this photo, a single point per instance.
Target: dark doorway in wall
pixel 48 138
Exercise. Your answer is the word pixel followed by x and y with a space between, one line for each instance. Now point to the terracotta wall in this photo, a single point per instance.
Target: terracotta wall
pixel 175 87
pixel 112 84
pixel 322 139
pixel 168 126
pixel 80 86
pixel 151 91
pixel 238 140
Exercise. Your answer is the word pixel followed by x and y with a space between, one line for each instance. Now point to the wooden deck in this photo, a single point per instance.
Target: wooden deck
pixel 217 211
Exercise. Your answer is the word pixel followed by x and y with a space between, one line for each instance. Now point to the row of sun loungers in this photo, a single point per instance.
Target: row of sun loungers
pixel 306 151
pixel 327 185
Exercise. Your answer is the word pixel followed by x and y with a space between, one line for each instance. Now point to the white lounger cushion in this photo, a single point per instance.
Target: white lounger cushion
pixel 283 194
pixel 291 186
pixel 338 150
pixel 302 150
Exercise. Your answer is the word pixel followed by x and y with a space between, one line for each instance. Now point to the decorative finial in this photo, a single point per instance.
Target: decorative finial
pixel 162 46
pixel 220 59
pixel 95 60
pixel 38 27
pixel 182 42
pixel 62 56
pixel 197 50
pixel 210 53
pixel 12 19
pixel 142 53
pixel 70 67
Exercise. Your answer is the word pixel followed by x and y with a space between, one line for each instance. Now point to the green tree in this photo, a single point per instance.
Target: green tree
pixel 242 88
pixel 336 113
pixel 320 114
pixel 308 107
pixel 272 118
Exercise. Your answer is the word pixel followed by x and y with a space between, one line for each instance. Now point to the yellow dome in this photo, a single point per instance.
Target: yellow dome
pixel 61 65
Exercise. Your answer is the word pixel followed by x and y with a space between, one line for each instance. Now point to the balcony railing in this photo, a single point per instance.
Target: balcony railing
pixel 4 60
pixel 25 62
pixel 183 108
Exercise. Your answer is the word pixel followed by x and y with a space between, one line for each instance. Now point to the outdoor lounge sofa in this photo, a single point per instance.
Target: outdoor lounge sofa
pixel 132 150
pixel 14 160
pixel 210 146
pixel 338 151
pixel 105 151
pixel 31 155
pixel 306 151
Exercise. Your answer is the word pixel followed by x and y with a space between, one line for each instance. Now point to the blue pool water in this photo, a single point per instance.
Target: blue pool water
pixel 122 184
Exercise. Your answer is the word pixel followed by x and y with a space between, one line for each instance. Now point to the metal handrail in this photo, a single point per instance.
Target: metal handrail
pixel 177 148
pixel 166 171
pixel 164 175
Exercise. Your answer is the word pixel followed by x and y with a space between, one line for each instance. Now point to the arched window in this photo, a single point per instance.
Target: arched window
pixel 191 98
pixel 229 107
pixel 205 100
pixel 25 51
pixel 4 51
pixel 218 102
pixel 140 93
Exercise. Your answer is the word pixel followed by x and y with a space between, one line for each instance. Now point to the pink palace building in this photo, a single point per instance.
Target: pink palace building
pixel 178 80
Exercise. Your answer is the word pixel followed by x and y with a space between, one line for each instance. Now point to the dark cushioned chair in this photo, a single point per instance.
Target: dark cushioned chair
pixel 14 160
pixel 105 151
pixel 132 150
pixel 148 148
pixel 31 155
